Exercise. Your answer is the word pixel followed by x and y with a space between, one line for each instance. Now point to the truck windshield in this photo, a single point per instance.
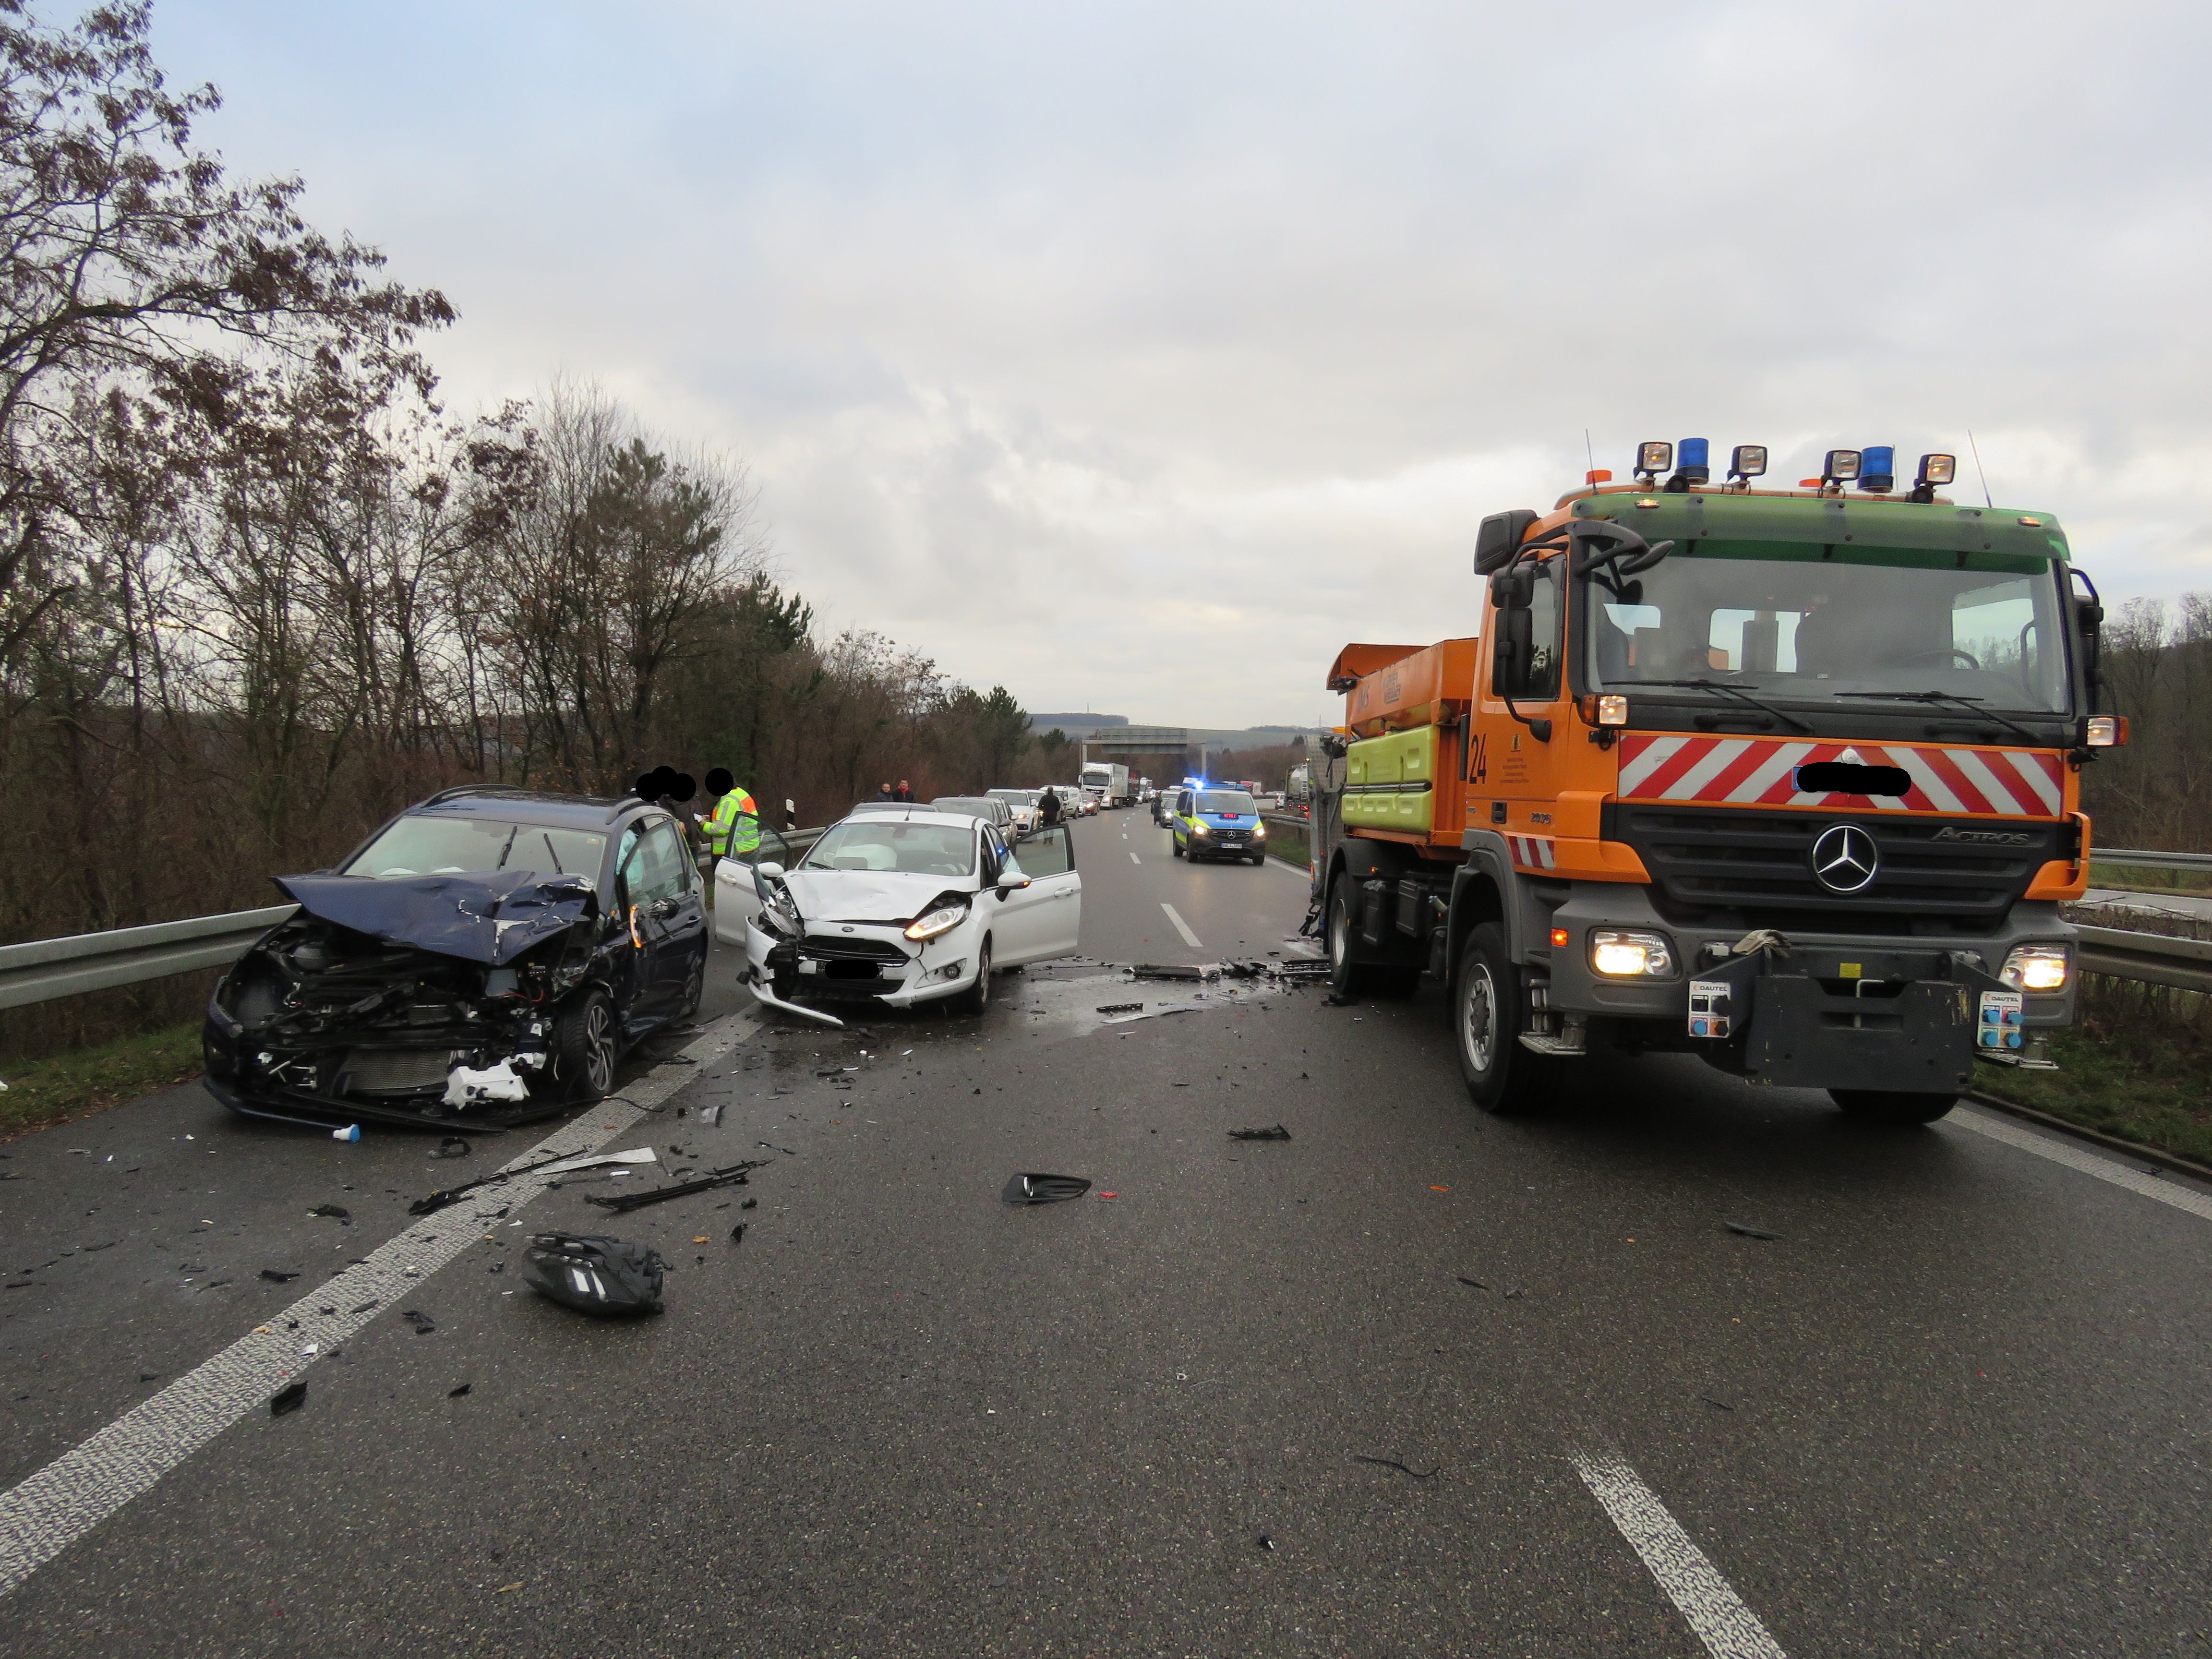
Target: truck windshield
pixel 1797 624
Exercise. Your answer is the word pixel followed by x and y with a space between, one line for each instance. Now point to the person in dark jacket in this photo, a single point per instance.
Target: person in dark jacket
pixel 1047 807
pixel 904 792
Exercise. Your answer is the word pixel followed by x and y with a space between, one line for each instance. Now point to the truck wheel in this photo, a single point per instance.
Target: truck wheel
pixel 1347 978
pixel 1893 1108
pixel 1488 1016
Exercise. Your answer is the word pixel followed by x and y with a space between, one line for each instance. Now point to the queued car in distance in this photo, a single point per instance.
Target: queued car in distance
pixel 1022 802
pixel 1213 822
pixel 485 957
pixel 978 806
pixel 1074 802
pixel 894 912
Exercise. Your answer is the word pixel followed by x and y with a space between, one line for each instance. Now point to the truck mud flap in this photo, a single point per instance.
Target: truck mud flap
pixel 1903 1021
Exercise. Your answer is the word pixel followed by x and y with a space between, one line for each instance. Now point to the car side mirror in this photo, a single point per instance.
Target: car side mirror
pixel 1011 881
pixel 771 869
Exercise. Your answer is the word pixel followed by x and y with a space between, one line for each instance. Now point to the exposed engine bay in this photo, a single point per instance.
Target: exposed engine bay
pixel 441 999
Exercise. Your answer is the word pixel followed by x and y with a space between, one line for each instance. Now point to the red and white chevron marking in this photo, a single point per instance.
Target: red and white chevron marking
pixel 2012 783
pixel 1533 852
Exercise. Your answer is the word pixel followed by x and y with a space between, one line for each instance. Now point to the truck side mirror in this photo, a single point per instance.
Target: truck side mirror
pixel 2089 618
pixel 1500 538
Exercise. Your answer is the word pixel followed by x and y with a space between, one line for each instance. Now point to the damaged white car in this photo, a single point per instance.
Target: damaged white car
pixel 897 911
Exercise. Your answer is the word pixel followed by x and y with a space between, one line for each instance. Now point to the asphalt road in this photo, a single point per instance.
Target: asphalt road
pixel 1959 1406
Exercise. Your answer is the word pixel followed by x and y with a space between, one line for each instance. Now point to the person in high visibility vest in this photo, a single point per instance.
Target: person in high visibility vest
pixel 734 830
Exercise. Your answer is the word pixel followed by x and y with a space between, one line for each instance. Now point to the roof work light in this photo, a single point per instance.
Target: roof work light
pixel 1878 469
pixel 1653 459
pixel 1747 461
pixel 1839 466
pixel 1934 469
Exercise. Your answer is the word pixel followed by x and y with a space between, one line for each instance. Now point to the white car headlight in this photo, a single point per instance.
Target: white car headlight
pixel 941 920
pixel 1622 953
pixel 2036 968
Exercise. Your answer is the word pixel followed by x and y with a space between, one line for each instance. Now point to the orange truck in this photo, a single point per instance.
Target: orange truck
pixel 1786 778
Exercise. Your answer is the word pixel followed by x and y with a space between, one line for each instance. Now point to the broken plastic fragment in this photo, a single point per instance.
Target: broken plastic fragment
pixel 733 1176
pixel 332 1210
pixel 1044 1188
pixel 1744 1231
pixel 422 1322
pixel 276 1277
pixel 596 1275
pixel 287 1399
pixel 455 1394
pixel 1392 1463
pixel 467 1086
pixel 1278 1133
pixel 451 1146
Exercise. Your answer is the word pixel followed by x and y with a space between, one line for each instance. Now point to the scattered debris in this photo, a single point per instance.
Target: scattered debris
pixel 711 1115
pixel 1173 971
pixel 422 1322
pixel 1335 999
pixel 750 1203
pixel 1308 968
pixel 1472 1284
pixel 1121 1008
pixel 275 1277
pixel 1742 1230
pixel 364 1308
pixel 335 1212
pixel 287 1399
pixel 1278 1133
pixel 1263 1542
pixel 1242 969
pixel 466 1085
pixel 451 1146
pixel 1044 1188
pixel 596 1275
pixel 1717 1405
pixel 734 1175
pixel 737 1233
pixel 787 1150
pixel 1392 1463
pixel 557 1165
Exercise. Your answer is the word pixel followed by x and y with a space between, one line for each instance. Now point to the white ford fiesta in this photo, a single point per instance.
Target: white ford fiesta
pixel 896 908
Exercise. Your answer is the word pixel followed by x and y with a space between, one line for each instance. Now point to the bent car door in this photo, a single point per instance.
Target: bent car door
pixel 737 891
pixel 658 883
pixel 1051 906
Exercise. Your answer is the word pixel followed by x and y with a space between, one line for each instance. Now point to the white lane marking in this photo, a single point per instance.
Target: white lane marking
pixel 1133 859
pixel 2088 1162
pixel 1715 1612
pixel 51 1509
pixel 1181 927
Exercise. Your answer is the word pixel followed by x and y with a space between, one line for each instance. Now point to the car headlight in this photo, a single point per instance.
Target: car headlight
pixel 2036 968
pixel 1259 832
pixel 940 920
pixel 1197 830
pixel 1622 953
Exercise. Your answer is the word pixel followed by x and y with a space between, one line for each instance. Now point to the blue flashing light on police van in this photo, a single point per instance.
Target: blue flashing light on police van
pixel 1878 469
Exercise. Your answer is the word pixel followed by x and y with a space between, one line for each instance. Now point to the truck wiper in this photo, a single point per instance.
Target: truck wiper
pixel 1956 700
pixel 1738 693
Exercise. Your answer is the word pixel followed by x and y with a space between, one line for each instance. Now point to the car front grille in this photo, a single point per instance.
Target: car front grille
pixel 833 947
pixel 1727 868
pixel 394 1071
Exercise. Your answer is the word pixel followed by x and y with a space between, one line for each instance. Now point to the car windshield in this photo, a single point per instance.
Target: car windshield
pixel 1789 622
pixel 913 849
pixel 1227 801
pixel 439 844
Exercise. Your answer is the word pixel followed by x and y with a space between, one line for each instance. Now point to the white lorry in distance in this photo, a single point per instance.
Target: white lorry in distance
pixel 1108 784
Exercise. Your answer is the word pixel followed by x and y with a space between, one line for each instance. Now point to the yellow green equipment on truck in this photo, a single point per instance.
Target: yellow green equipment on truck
pixel 1786 778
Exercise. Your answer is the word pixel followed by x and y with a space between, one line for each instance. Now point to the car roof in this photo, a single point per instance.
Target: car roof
pixel 597 813
pixel 918 815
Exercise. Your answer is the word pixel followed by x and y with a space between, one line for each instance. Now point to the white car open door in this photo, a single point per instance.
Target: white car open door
pixel 1042 919
pixel 737 896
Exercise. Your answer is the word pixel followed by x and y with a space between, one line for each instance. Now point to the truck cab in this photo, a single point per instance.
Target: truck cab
pixel 1788 780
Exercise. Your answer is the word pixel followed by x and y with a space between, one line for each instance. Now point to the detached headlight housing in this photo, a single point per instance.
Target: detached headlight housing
pixel 943 920
pixel 2044 968
pixel 1629 953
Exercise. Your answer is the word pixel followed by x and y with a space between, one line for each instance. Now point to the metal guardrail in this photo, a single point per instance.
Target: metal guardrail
pixel 2130 858
pixel 46 969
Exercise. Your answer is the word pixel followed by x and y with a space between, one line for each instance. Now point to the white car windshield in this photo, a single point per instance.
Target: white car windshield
pixel 912 849
pixel 439 845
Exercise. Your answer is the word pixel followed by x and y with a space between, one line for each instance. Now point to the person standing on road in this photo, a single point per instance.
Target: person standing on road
pixel 905 792
pixel 884 793
pixel 1047 807
pixel 734 830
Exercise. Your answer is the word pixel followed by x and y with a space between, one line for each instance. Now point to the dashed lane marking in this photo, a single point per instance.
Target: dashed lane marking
pixel 1133 859
pixel 2165 1191
pixel 1181 927
pixel 50 1510
pixel 1714 1611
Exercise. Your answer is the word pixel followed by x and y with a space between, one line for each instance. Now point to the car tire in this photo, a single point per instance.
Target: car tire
pixel 1175 846
pixel 1489 1013
pixel 977 997
pixel 1259 858
pixel 587 1044
pixel 695 986
pixel 1892 1108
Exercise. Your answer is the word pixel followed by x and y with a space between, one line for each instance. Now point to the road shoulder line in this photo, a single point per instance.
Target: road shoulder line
pixel 2088 1162
pixel 50 1508
pixel 1714 1611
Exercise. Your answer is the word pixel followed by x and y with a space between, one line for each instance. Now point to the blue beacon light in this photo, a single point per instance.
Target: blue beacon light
pixel 1878 469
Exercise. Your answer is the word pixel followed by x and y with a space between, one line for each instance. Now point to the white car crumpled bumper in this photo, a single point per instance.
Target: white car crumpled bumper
pixel 855 963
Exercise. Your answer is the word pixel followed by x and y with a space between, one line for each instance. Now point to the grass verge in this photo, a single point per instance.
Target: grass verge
pixel 65 1086
pixel 2137 1080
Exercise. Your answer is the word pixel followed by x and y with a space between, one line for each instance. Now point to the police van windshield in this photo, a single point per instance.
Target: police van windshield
pixel 439 845
pixel 1794 623
pixel 1228 801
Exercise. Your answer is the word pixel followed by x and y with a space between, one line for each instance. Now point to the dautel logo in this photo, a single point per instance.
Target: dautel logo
pixel 1982 837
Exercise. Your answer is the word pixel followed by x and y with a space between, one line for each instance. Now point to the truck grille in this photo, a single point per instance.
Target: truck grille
pixel 1727 868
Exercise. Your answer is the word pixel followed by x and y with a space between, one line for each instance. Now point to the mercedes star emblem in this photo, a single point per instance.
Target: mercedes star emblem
pixel 1845 858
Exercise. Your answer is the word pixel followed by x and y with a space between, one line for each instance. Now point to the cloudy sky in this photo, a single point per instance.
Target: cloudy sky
pixel 1138 357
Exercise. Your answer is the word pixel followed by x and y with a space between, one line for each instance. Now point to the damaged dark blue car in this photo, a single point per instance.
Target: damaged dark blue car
pixel 484 959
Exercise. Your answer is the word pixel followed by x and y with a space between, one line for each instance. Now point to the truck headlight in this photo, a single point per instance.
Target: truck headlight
pixel 1622 953
pixel 941 920
pixel 2036 968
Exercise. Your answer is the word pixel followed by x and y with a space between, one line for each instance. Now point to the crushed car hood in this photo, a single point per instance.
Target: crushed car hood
pixel 491 918
pixel 864 895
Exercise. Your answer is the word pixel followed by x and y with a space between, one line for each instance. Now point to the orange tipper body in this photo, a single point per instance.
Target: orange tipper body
pixel 1815 754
